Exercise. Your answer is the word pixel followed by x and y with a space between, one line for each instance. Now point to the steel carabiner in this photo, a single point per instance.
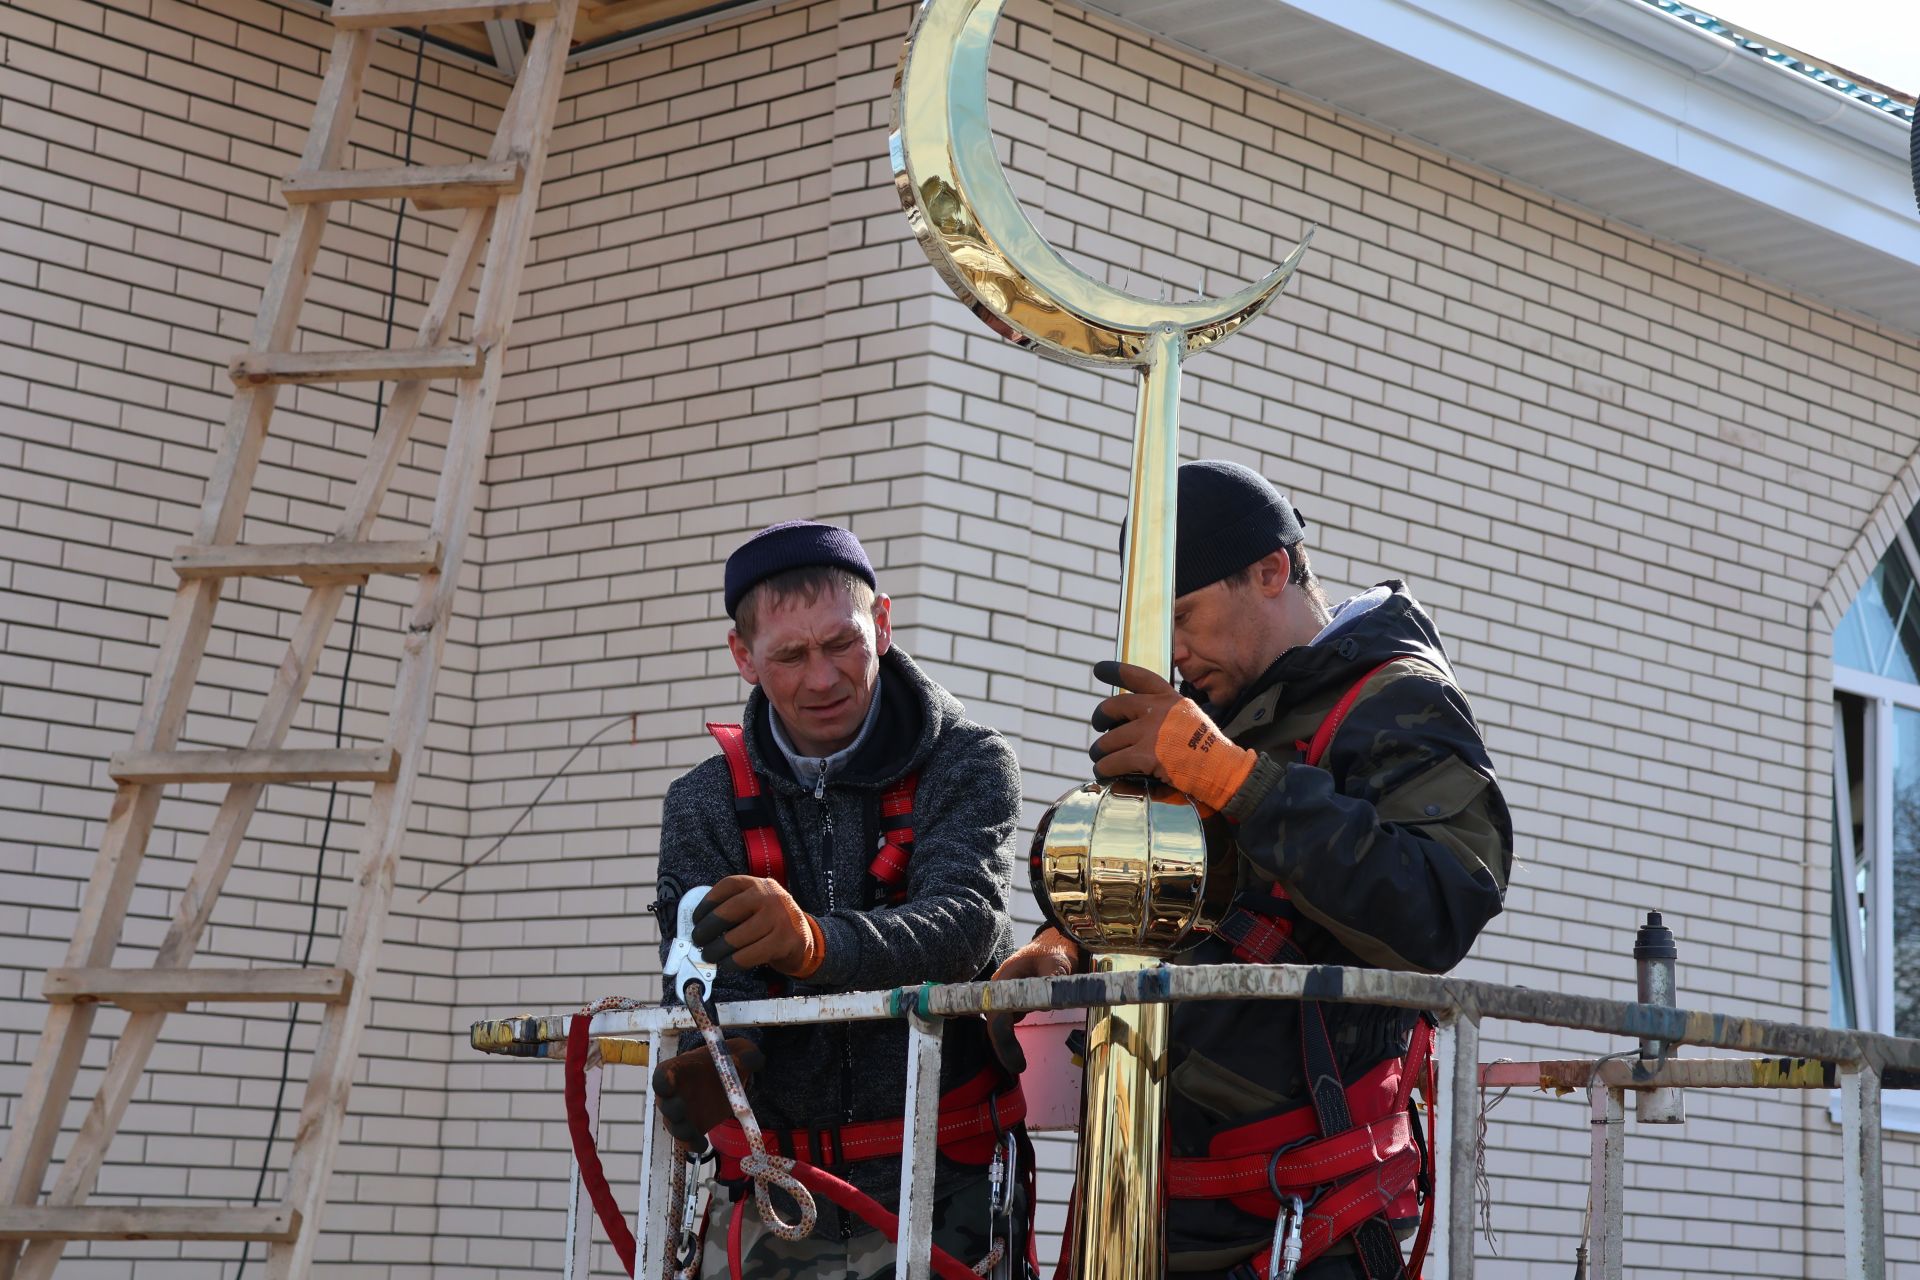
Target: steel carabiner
pixel 1284 1258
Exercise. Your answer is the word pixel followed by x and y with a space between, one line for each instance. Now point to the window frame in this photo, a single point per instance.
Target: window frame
pixel 1872 956
pixel 1871 970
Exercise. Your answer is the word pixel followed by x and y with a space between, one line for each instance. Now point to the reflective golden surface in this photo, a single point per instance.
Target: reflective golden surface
pixel 1122 867
pixel 1119 1227
pixel 1146 562
pixel 966 217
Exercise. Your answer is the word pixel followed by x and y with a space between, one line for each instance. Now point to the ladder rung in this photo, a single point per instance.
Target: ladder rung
pixel 143 1222
pixel 311 765
pixel 453 186
pixel 257 367
pixel 137 988
pixel 352 14
pixel 312 561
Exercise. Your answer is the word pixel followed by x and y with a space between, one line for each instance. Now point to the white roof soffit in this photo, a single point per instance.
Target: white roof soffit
pixel 1612 104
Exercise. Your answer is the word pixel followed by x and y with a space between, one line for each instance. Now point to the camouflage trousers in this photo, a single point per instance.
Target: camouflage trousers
pixel 960 1227
pixel 1339 1266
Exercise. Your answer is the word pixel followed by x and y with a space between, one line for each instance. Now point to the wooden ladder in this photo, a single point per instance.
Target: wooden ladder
pixel 500 196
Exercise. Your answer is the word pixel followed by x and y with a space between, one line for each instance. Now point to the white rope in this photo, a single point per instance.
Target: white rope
pixel 765 1170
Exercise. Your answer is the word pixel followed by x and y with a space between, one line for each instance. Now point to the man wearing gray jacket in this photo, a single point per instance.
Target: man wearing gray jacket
pixel 858 833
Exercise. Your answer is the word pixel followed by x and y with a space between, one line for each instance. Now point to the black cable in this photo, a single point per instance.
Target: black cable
pixel 521 817
pixel 340 706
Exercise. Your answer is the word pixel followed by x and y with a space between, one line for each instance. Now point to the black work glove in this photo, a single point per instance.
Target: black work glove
pixel 688 1091
pixel 748 921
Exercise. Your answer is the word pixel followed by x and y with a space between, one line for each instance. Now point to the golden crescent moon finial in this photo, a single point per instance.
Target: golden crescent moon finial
pixel 971 225
pixel 1127 870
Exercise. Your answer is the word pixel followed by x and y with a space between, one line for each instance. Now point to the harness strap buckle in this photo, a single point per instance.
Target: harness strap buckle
pixel 753 812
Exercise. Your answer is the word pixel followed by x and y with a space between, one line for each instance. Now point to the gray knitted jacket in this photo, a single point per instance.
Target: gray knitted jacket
pixel 952 927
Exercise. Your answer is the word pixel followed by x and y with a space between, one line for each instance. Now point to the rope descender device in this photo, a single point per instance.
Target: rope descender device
pixel 684 964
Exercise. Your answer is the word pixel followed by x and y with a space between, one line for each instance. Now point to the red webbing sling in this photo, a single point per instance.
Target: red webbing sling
pixel 973 1118
pixel 764 855
pixel 586 1152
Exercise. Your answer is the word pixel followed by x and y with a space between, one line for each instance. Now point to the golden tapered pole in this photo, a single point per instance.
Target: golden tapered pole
pixel 1119 1227
pixel 1146 566
pixel 1120 1230
pixel 1124 867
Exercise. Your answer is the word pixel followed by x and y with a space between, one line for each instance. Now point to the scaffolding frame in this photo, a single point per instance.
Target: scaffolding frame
pixel 1796 1056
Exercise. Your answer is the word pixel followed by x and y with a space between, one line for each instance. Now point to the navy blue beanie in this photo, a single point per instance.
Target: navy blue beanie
pixel 793 544
pixel 1230 516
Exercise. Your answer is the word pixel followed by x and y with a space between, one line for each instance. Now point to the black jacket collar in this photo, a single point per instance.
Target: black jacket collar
pixel 1396 628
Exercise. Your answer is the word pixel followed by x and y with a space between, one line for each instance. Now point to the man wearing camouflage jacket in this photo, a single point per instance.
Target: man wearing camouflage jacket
pixel 1391 851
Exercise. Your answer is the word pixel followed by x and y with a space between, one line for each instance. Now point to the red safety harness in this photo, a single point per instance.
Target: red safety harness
pixel 974 1117
pixel 1355 1154
pixel 754 810
pixel 593 1178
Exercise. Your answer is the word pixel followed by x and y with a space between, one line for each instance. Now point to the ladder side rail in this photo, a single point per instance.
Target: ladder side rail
pixel 403 409
pixel 324 1106
pixel 136 1043
pixel 56 1062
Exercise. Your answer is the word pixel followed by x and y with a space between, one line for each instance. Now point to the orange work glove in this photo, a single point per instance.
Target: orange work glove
pixel 1049 955
pixel 1152 731
pixel 688 1091
pixel 746 921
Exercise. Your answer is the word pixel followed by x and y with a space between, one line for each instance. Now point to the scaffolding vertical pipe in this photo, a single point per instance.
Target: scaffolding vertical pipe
pixel 1606 1207
pixel 1462 1032
pixel 1864 1186
pixel 655 1214
pixel 920 1137
pixel 579 1210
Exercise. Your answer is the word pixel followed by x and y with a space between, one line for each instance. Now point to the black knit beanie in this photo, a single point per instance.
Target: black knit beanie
pixel 1229 517
pixel 793 544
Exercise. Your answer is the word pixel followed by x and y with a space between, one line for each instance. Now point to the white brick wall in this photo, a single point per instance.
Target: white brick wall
pixel 1622 477
pixel 140 147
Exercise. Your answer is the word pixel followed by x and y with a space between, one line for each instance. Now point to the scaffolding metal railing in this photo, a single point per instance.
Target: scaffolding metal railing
pixel 1795 1056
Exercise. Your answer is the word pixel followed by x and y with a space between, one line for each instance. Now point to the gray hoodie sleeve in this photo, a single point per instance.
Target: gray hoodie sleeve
pixel 955 919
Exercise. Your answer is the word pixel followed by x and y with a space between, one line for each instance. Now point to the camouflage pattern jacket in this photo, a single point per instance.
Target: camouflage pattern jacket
pixel 1395 851
pixel 953 926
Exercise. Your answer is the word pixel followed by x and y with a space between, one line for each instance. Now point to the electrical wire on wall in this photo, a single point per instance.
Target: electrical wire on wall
pixel 630 718
pixel 340 706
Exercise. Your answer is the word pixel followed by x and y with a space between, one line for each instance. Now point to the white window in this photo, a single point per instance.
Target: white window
pixel 1876 776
